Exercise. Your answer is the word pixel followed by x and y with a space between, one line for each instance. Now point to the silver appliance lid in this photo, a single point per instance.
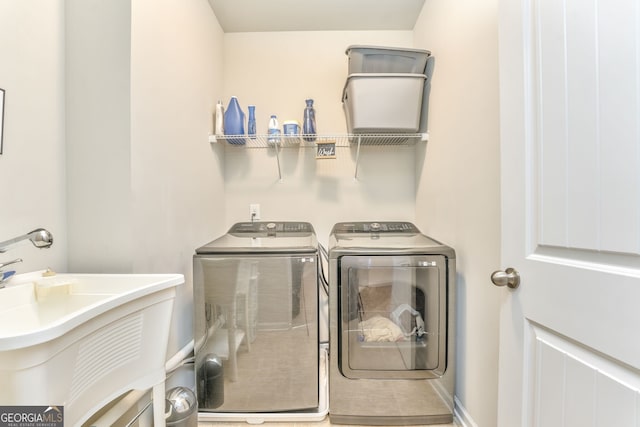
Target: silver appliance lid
pixel 391 237
pixel 264 237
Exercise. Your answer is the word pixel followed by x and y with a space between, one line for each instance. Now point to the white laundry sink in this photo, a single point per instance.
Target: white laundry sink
pixel 81 340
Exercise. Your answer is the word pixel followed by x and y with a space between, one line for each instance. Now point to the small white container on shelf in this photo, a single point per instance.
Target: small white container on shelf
pixel 291 131
pixel 274 131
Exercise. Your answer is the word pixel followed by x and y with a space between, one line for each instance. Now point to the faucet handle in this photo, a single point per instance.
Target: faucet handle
pixel 15 261
pixel 6 275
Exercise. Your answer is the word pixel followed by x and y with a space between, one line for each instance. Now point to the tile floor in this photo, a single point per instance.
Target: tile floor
pixel 324 423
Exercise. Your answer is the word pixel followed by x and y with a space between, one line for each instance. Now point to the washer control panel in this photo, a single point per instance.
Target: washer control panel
pixel 271 227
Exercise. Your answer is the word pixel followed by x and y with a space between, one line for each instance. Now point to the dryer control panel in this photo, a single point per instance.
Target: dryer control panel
pixel 375 227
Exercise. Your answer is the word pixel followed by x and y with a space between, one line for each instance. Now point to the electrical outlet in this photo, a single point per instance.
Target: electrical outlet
pixel 254 211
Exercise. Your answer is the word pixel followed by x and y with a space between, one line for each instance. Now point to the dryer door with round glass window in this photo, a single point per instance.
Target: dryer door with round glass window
pixel 393 316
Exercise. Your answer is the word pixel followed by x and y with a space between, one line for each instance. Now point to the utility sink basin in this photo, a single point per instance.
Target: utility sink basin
pixel 81 340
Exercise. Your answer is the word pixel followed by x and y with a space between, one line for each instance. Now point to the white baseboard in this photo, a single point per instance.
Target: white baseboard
pixel 462 417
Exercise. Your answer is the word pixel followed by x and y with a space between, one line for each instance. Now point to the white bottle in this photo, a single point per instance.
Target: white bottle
pixel 219 125
pixel 274 130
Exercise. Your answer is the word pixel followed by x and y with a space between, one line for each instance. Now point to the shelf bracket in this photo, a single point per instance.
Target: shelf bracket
pixel 277 145
pixel 355 175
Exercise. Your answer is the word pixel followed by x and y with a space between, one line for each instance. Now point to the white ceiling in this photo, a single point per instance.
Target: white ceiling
pixel 315 15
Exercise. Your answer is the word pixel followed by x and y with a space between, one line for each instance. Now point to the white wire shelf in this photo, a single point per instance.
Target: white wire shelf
pixel 315 141
pixel 306 141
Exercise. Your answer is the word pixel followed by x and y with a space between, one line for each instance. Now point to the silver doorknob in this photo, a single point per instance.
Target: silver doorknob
pixel 508 277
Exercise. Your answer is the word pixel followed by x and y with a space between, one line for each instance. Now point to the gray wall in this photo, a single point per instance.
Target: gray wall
pixel 98 136
pixel 458 194
pixel 109 106
pixel 323 191
pixel 32 168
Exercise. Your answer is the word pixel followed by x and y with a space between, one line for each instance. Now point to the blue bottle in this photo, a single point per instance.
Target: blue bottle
pixel 309 122
pixel 234 121
pixel 251 123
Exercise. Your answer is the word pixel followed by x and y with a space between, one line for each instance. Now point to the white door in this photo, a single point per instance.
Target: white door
pixel 570 123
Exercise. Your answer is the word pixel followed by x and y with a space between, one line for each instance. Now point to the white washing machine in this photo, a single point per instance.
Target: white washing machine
pixel 391 325
pixel 256 325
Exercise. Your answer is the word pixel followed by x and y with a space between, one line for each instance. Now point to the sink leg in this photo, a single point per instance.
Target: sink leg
pixel 158 405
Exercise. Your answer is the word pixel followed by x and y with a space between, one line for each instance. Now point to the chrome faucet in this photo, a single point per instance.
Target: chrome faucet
pixel 40 238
